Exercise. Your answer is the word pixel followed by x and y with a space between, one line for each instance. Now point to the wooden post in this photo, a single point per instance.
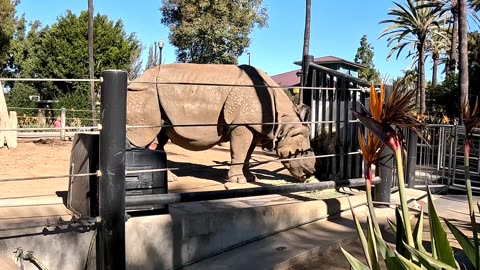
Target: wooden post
pixel 11 137
pixel 3 117
pixel 63 120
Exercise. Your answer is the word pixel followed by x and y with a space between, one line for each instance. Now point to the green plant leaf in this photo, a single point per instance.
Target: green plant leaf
pixel 418 233
pixel 400 235
pixel 439 238
pixel 354 263
pixel 393 226
pixel 427 261
pixel 387 254
pixel 361 235
pixel 406 263
pixel 466 244
pixel 372 247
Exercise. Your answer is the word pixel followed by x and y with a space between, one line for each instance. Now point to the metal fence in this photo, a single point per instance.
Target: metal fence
pixel 435 155
pixel 112 170
pixel 62 123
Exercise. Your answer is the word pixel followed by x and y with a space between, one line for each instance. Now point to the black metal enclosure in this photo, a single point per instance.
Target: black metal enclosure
pixel 126 175
pixel 83 190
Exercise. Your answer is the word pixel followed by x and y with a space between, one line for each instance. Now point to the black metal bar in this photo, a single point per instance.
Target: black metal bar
pixel 411 158
pixel 383 191
pixel 237 193
pixel 111 231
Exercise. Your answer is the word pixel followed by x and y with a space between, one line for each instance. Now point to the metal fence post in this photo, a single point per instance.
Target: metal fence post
pixel 411 158
pixel 63 119
pixel 382 191
pixel 111 232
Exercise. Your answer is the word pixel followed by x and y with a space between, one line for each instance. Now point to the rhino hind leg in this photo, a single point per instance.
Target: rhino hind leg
pixel 246 167
pixel 241 147
pixel 162 139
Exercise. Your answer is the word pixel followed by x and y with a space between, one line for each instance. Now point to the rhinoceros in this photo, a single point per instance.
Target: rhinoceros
pixel 229 103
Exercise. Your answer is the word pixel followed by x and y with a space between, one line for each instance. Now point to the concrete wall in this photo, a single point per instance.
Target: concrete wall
pixel 193 231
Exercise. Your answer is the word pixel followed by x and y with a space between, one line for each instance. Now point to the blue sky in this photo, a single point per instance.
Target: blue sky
pixel 336 29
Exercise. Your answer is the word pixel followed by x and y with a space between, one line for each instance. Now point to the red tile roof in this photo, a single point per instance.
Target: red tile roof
pixel 333 59
pixel 291 78
pixel 287 78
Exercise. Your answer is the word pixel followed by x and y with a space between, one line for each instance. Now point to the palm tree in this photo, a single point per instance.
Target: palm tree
pixel 306 46
pixel 410 26
pixel 452 7
pixel 463 53
pixel 90 56
pixel 438 44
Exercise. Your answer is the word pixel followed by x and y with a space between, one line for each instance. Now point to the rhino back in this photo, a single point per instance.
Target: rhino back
pixel 188 97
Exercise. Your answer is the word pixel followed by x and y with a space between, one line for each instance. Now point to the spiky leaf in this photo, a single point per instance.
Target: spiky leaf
pixel 466 244
pixel 354 263
pixel 361 236
pixel 372 247
pixel 418 233
pixel 400 234
pixel 440 242
pixel 406 263
pixel 393 226
pixel 387 253
pixel 427 261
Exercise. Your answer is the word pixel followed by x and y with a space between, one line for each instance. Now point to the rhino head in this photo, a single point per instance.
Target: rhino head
pixel 294 144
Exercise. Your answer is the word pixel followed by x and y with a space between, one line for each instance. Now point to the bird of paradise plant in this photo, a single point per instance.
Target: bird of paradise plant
pixel 373 148
pixel 397 112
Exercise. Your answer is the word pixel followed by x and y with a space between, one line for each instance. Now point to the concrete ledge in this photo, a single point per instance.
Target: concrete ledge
pixel 163 242
pixel 192 232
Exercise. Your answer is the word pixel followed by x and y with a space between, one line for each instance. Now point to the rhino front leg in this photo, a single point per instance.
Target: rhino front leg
pixel 241 148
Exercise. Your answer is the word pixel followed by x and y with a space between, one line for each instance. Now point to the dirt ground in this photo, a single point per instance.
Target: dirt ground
pixel 194 169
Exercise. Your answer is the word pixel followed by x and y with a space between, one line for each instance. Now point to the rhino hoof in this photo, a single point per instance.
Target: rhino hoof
pixel 240 179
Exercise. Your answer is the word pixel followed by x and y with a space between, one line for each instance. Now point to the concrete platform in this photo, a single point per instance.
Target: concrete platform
pixel 191 232
pixel 265 232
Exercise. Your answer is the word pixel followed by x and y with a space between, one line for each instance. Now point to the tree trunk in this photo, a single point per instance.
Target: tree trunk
pixel 453 58
pixel 306 46
pixel 463 53
pixel 90 57
pixel 421 75
pixel 435 69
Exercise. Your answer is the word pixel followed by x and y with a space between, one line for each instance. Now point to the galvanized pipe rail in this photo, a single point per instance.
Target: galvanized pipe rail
pixel 238 193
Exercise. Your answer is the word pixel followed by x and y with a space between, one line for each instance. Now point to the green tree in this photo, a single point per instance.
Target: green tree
pixel 7 26
pixel 152 58
pixel 438 44
pixel 474 63
pixel 91 63
pixel 411 25
pixel 207 31
pixel 63 51
pixel 451 7
pixel 364 57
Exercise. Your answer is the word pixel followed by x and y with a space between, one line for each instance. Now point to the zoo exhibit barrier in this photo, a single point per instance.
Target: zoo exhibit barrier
pixel 238 193
pixel 112 172
pixel 436 157
pixel 112 199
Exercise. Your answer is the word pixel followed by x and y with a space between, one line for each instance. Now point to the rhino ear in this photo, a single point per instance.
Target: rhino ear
pixel 303 112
